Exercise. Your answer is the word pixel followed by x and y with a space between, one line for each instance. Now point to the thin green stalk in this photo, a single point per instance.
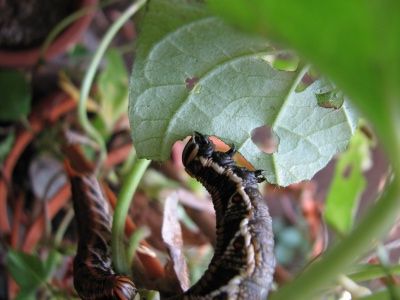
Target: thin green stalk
pixel 62 228
pixel 369 272
pixel 140 234
pixel 89 76
pixel 131 182
pixel 336 261
pixel 129 161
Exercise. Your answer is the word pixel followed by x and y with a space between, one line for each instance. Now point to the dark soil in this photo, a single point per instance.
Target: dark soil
pixel 26 23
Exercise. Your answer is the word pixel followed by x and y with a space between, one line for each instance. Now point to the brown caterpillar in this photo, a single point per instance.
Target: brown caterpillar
pixel 94 277
pixel 243 263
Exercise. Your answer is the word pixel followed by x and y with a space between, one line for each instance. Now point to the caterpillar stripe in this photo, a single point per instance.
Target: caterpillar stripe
pixel 243 263
pixel 94 277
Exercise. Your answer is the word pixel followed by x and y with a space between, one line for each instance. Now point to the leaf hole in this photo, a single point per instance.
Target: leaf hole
pixel 330 99
pixel 265 139
pixel 306 81
pixel 283 61
pixel 191 82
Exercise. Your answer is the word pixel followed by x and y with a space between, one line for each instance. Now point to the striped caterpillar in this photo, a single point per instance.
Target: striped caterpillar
pixel 94 277
pixel 243 263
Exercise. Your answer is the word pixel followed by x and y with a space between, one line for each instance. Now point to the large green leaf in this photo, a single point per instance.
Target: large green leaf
pixel 356 42
pixel 27 270
pixel 200 74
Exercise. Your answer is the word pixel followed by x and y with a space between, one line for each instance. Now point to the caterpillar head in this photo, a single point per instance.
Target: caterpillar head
pixel 198 145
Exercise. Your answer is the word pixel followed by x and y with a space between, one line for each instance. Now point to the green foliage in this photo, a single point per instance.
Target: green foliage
pixel 368 272
pixel 383 295
pixel 30 271
pixel 27 270
pixel 15 100
pixel 200 74
pixel 113 92
pixel 356 43
pixel 6 145
pixel 348 183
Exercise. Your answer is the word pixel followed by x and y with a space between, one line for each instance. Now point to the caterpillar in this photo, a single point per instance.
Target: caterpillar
pixel 243 263
pixel 94 277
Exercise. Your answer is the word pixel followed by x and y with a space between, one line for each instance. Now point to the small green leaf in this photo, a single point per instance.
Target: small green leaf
pixel 348 183
pixel 27 270
pixel 113 90
pixel 78 51
pixel 198 73
pixel 15 95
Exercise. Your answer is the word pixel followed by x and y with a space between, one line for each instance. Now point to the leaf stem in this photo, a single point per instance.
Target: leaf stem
pixel 369 272
pixel 89 76
pixel 140 234
pixel 120 258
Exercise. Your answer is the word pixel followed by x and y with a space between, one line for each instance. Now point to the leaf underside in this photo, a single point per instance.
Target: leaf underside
pixel 198 74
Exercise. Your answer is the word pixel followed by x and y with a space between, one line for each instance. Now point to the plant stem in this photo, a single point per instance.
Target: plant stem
pixel 89 76
pixel 323 272
pixel 62 228
pixel 369 272
pixel 128 189
pixel 140 234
